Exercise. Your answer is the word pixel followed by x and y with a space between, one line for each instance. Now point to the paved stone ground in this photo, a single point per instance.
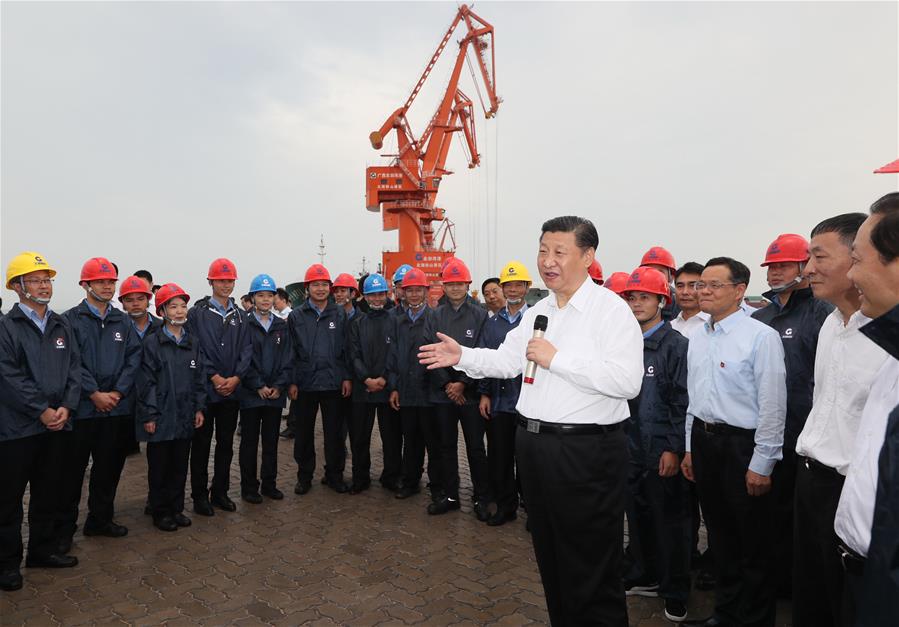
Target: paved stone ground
pixel 322 559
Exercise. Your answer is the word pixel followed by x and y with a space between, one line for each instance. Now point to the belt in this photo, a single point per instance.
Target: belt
pixel 721 428
pixel 817 466
pixel 853 563
pixel 539 426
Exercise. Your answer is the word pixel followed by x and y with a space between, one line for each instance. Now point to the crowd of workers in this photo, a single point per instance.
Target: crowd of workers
pixel 772 425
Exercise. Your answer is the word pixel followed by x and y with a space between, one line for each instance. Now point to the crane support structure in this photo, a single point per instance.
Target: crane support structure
pixel 405 192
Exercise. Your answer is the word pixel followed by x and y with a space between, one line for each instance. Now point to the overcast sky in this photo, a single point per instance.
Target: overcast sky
pixel 163 135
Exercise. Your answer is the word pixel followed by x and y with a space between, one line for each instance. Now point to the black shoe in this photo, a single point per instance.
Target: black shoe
pixel 10 579
pixel 273 493
pixel 705 580
pixel 437 495
pixel 165 523
pixel 393 486
pixel 109 530
pixel 324 481
pixel 641 588
pixel 148 511
pixel 181 520
pixel 712 621
pixel 501 518
pixel 223 502
pixel 358 488
pixel 203 507
pixel 64 546
pixel 339 486
pixel 252 497
pixel 406 491
pixel 302 487
pixel 675 611
pixel 286 433
pixel 443 506
pixel 481 511
pixel 51 561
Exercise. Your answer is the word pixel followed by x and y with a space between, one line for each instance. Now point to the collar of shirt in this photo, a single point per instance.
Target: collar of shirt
pixel 265 322
pixel 41 323
pixel 415 316
pixel 580 300
pixel 314 308
pixel 174 338
pixel 96 311
pixel 141 333
pixel 726 324
pixel 504 313
pixel 350 313
pixel 884 331
pixel 649 332
pixel 219 307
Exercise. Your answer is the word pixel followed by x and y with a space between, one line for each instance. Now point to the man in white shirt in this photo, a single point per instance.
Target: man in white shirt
pixel 871 593
pixel 571 447
pixel 691 317
pixel 282 306
pixel 845 365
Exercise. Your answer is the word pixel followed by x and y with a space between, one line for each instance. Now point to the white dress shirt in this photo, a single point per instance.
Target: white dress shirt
pixel 598 366
pixel 855 513
pixel 689 326
pixel 736 376
pixel 283 313
pixel 846 363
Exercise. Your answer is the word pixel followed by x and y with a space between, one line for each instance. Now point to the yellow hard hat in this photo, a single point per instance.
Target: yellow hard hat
pixel 514 271
pixel 24 263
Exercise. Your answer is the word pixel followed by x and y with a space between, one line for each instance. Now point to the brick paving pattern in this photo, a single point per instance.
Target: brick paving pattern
pixel 320 559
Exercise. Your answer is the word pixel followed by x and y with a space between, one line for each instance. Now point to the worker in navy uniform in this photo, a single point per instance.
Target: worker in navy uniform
pixel 737 387
pixel 589 363
pixel 344 291
pixel 455 394
pixel 658 512
pixel 219 325
pixel 172 395
pixel 104 421
pixel 399 292
pixel 321 378
pixel 368 344
pixel 868 511
pixel 797 316
pixel 407 381
pixel 263 393
pixel 499 396
pixel 135 295
pixel 40 386
pixel 660 259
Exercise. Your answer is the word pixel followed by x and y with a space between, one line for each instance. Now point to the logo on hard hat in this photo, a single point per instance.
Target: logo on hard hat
pixel 104 268
pixel 38 259
pixel 511 269
pixel 635 277
pixel 774 248
pixel 60 343
pixel 225 268
pixel 454 270
pixel 653 253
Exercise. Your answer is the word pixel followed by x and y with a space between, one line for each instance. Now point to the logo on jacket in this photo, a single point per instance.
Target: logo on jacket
pixel 788 333
pixel 193 363
pixel 650 371
pixel 118 336
pixel 233 322
pixel 60 342
pixel 331 325
pixel 388 339
pixel 469 333
pixel 277 339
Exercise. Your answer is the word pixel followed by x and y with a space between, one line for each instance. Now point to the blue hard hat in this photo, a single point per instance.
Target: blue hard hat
pixel 401 272
pixel 374 283
pixel 262 283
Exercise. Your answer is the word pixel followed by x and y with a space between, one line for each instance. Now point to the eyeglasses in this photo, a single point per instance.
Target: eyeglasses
pixel 690 284
pixel 712 285
pixel 41 282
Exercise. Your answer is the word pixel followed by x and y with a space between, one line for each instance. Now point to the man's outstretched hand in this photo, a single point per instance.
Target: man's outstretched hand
pixel 443 354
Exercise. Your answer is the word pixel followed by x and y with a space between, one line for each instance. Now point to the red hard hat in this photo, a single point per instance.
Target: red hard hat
pixel 317 272
pixel 891 168
pixel 342 280
pixel 617 281
pixel 787 247
pixel 455 271
pixel 595 272
pixel 222 269
pixel 134 285
pixel 658 256
pixel 415 278
pixel 166 293
pixel 97 268
pixel 649 280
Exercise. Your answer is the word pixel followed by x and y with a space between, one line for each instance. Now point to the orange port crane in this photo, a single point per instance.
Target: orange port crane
pixel 406 190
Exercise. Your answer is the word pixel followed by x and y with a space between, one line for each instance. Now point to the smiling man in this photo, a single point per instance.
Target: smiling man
pixel 590 362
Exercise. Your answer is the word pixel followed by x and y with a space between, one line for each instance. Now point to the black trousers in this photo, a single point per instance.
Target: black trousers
pixel 430 431
pixel 415 423
pixel 783 491
pixel 473 428
pixel 361 426
pixel 817 569
pixel 501 460
pixel 390 427
pixel 104 443
pixel 332 426
pixel 167 475
pixel 256 421
pixel 34 461
pixel 220 417
pixel 575 487
pixel 660 531
pixel 741 527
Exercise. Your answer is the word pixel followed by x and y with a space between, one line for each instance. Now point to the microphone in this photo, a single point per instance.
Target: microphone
pixel 539 329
